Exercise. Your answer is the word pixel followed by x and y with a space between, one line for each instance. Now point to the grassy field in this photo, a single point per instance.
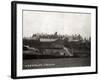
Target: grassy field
pixel 56 63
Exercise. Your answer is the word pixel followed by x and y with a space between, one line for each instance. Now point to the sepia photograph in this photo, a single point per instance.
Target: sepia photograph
pixel 56 39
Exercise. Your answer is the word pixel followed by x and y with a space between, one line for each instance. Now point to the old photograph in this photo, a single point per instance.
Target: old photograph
pixel 54 39
pixel 51 39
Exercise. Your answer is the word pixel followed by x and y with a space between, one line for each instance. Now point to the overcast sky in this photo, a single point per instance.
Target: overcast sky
pixel 51 22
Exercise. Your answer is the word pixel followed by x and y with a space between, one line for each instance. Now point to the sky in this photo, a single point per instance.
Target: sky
pixel 51 22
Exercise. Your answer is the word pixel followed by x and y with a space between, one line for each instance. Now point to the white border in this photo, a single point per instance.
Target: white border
pixel 50 71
